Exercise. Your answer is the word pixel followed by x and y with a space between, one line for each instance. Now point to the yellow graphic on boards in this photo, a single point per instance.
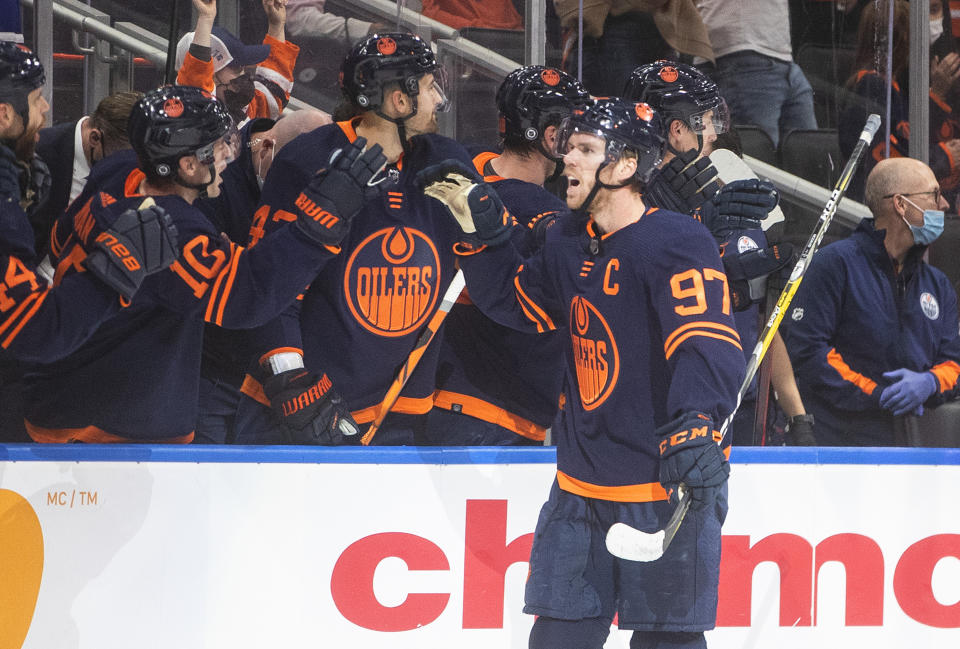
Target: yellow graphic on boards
pixel 21 566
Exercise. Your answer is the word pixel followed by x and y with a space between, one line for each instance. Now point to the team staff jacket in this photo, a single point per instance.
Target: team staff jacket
pixel 39 323
pixel 272 83
pixel 360 317
pixel 854 317
pixel 492 372
pixel 651 336
pixel 137 377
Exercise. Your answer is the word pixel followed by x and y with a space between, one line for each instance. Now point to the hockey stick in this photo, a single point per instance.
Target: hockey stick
pixel 628 543
pixel 393 392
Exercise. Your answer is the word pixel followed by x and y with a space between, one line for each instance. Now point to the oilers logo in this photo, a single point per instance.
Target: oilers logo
pixel 391 281
pixel 930 306
pixel 595 353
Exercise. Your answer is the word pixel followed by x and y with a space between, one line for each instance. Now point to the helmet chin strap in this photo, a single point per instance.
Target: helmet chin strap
pixel 557 162
pixel 597 186
pixel 200 187
pixel 401 123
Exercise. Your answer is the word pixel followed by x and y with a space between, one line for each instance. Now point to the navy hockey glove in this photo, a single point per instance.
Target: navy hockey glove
pixel 9 175
pixel 747 272
pixel 742 205
pixel 309 410
pixel 907 394
pixel 692 179
pixel 139 243
pixel 473 203
pixel 335 194
pixel 689 455
pixel 799 431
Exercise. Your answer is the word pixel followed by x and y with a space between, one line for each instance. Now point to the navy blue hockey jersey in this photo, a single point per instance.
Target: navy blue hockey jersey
pixel 492 372
pixel 137 377
pixel 650 336
pixel 361 316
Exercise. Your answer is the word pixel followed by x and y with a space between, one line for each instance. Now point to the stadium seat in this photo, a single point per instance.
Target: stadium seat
pixel 827 69
pixel 813 155
pixel 938 427
pixel 755 142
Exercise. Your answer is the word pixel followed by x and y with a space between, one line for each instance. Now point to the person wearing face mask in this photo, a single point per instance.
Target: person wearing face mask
pixel 873 328
pixel 214 59
pixel 224 359
pixel 71 149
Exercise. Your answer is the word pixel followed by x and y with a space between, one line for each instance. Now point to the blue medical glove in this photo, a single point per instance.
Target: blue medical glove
pixel 908 391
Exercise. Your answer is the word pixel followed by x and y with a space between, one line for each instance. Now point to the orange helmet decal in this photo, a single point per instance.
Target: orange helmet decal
pixel 669 73
pixel 386 46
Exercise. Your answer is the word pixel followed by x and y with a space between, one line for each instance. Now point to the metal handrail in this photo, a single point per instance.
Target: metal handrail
pixel 138 41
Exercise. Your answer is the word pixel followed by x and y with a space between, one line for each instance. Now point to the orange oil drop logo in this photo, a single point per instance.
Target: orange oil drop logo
pixel 595 353
pixel 390 282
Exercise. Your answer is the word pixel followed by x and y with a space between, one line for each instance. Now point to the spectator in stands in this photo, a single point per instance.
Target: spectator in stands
pixel 868 84
pixel 619 35
pixel 232 212
pixel 873 332
pixel 490 14
pixel 309 19
pixel 754 66
pixel 214 59
pixel 72 148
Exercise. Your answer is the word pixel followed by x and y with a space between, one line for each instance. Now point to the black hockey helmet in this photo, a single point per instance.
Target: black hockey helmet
pixel 382 59
pixel 534 97
pixel 624 126
pixel 20 73
pixel 176 121
pixel 678 91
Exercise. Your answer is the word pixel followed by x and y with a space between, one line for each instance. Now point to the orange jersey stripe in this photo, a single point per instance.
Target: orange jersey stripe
pixel 25 319
pixel 93 435
pixel 231 276
pixel 835 360
pixel 548 323
pixel 705 334
pixel 634 493
pixel 488 412
pixel 20 309
pixel 704 324
pixel 404 405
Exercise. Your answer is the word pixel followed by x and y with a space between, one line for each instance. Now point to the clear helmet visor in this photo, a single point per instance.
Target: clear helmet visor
pixel 440 87
pixel 587 141
pixel 226 147
pixel 716 118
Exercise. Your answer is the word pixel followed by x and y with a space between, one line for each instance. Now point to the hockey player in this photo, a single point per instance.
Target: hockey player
pixel 496 385
pixel 136 378
pixel 362 314
pixel 652 365
pixel 39 323
pixel 694 115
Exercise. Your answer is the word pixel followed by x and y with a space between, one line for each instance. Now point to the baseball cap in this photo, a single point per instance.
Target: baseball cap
pixel 225 49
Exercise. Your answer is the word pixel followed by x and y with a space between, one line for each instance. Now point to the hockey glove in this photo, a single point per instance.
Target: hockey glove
pixel 909 391
pixel 335 194
pixel 799 431
pixel 9 175
pixel 309 410
pixel 689 455
pixel 472 202
pixel 692 179
pixel 747 272
pixel 139 243
pixel 742 205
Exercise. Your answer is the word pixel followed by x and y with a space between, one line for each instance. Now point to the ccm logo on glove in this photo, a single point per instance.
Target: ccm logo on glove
pixel 308 396
pixel 685 435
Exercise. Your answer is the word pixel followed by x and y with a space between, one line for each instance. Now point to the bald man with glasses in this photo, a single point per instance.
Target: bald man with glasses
pixel 873 330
